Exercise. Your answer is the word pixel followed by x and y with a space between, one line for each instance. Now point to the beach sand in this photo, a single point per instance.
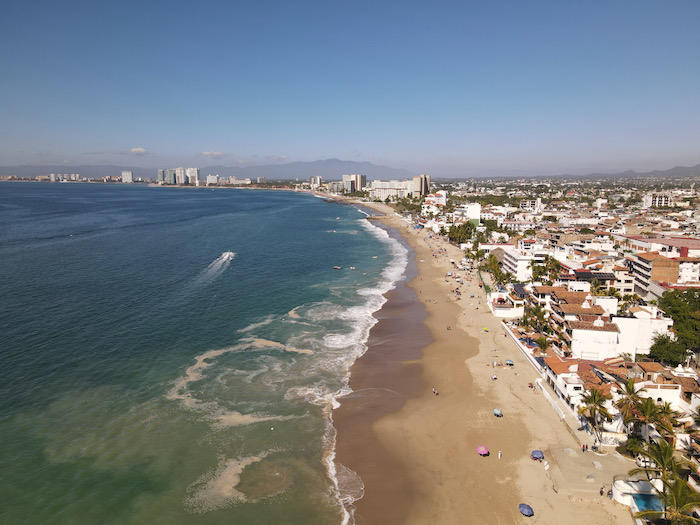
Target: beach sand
pixel 416 451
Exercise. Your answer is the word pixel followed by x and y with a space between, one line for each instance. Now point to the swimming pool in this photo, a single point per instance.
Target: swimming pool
pixel 648 502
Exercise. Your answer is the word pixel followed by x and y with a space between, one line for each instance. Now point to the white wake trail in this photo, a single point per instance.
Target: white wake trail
pixel 215 268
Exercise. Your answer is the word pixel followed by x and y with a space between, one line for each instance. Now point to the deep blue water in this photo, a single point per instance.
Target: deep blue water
pixel 171 355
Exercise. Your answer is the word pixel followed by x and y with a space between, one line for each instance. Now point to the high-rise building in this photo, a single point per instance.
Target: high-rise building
pixel 355 182
pixel 127 176
pixel 421 185
pixel 212 180
pixel 192 176
pixel 160 179
pixel 180 176
pixel 170 176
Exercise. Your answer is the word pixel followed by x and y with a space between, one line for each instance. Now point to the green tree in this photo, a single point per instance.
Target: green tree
pixel 661 461
pixel 667 351
pixel 684 308
pixel 629 398
pixel 646 413
pixel 594 410
pixel 542 343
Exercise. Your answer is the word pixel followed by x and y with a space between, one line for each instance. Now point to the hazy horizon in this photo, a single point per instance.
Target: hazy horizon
pixel 452 88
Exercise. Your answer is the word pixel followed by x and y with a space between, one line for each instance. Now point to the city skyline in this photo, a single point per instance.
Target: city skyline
pixel 451 89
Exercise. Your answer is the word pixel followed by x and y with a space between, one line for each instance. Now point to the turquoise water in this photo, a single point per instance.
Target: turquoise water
pixel 172 355
pixel 648 502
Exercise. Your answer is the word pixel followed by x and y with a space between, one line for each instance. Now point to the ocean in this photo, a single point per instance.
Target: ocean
pixel 173 355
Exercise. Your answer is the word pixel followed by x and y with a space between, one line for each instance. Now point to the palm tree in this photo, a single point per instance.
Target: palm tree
pixel 661 461
pixel 627 402
pixel 679 502
pixel 646 413
pixel 594 409
pixel 542 344
pixel 667 418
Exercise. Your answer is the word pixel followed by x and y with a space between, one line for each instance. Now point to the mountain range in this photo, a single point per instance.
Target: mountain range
pixel 329 169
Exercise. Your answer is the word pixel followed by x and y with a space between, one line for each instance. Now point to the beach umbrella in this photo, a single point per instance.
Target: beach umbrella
pixel 497 412
pixel 537 454
pixel 509 362
pixel 482 450
pixel 525 509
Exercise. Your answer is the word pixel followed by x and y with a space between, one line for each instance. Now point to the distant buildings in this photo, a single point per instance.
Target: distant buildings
pixel 192 175
pixel 399 189
pixel 127 176
pixel 353 183
pixel 178 176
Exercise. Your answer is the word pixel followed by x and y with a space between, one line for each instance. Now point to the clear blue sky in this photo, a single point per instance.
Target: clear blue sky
pixel 448 88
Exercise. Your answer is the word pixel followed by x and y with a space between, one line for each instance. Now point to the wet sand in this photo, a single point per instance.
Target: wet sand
pixel 382 380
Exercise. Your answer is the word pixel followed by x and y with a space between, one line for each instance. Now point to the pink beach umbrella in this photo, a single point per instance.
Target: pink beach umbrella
pixel 482 450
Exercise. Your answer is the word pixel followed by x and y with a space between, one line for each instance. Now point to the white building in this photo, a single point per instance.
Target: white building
pixel 470 210
pixel 593 341
pixel 192 175
pixel 518 264
pixel 659 200
pixel 354 182
pixel 391 189
pixel 180 177
pixel 127 176
pixel 212 180
pixel 637 333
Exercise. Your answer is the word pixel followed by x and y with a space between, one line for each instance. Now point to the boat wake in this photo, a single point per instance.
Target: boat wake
pixel 215 268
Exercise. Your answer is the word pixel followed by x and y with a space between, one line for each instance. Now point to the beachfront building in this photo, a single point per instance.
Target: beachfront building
pixel 354 182
pixel 192 175
pixel 212 180
pixel 588 328
pixel 127 176
pixel 470 211
pixel 381 190
pixel 421 185
pixel 508 303
pixel 180 176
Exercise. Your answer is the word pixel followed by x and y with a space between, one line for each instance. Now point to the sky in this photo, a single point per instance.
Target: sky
pixel 449 88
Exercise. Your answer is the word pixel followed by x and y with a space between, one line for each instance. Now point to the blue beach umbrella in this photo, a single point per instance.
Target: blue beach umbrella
pixel 497 412
pixel 537 454
pixel 525 509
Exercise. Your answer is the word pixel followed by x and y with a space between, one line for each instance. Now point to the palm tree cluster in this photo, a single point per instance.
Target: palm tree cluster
pixel 678 498
pixel 645 412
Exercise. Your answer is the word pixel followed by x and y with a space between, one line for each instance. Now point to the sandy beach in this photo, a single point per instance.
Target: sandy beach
pixel 414 449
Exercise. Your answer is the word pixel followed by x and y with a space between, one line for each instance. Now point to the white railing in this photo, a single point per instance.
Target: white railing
pixel 549 398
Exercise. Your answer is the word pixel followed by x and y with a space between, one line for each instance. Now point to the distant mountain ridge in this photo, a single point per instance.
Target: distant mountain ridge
pixel 328 169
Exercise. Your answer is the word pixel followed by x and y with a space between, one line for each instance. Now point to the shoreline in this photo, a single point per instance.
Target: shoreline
pixel 417 457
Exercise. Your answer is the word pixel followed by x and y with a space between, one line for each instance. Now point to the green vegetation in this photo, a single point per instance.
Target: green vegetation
pixel 593 409
pixel 684 308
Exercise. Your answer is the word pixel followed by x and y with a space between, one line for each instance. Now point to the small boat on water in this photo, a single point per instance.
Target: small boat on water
pixel 337 267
